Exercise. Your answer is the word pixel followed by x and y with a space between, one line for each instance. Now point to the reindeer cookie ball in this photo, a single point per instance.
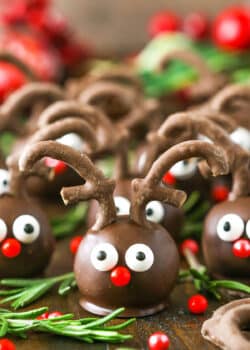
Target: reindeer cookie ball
pixel 226 234
pixel 26 240
pixel 226 239
pixel 125 260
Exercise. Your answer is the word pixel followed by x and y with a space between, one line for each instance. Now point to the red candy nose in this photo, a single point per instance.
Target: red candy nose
pixel 220 193
pixel 169 179
pixel 58 166
pixel 11 248
pixel 241 248
pixel 120 276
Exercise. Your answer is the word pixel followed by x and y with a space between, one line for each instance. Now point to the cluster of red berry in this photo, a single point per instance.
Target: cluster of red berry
pixel 229 30
pixel 51 26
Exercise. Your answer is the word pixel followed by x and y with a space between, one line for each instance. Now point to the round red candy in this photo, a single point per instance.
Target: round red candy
pixel 6 344
pixel 158 341
pixel 231 28
pixel 190 244
pixel 163 22
pixel 197 304
pixel 11 79
pixel 74 244
pixel 120 276
pixel 241 248
pixel 11 248
pixel 196 25
pixel 54 314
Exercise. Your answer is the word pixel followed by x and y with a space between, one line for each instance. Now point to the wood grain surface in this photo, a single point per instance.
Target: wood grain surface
pixel 182 327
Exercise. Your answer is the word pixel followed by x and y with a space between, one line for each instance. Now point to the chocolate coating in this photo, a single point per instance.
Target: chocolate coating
pixel 173 217
pixel 228 328
pixel 218 254
pixel 100 296
pixel 34 257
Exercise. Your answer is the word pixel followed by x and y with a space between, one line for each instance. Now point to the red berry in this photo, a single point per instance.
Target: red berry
pixel 54 314
pixel 190 244
pixel 58 166
pixel 158 341
pixel 11 248
pixel 169 179
pixel 43 316
pixel 163 22
pixel 197 304
pixel 231 29
pixel 220 193
pixel 74 244
pixel 241 248
pixel 120 276
pixel 196 25
pixel 6 344
pixel 11 79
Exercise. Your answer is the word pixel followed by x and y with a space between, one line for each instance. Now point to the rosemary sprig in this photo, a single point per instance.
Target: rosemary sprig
pixel 195 211
pixel 198 275
pixel 86 329
pixel 22 292
pixel 66 224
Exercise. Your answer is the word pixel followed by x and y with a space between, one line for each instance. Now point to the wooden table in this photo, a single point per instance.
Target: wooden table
pixel 182 327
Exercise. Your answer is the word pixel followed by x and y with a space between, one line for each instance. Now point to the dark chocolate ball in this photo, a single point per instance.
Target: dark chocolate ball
pixel 22 220
pixel 224 225
pixel 150 256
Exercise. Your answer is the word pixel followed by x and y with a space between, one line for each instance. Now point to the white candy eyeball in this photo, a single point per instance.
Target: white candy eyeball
pixel 142 160
pixel 26 229
pixel 230 227
pixel 72 140
pixel 248 229
pixel 3 230
pixel 139 257
pixel 122 205
pixel 241 136
pixel 155 211
pixel 184 169
pixel 104 257
pixel 4 181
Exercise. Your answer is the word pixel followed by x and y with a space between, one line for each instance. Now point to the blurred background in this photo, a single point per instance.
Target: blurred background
pixel 118 27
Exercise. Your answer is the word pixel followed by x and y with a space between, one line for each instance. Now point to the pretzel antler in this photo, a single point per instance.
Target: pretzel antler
pixel 231 92
pixel 150 188
pixel 207 83
pixel 25 97
pixel 66 126
pixel 94 116
pixel 121 74
pixel 10 58
pixel 96 185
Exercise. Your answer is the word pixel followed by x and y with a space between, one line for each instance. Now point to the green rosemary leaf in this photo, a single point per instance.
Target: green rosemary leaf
pixel 4 327
pixel 66 286
pixel 232 285
pixel 66 224
pixel 191 201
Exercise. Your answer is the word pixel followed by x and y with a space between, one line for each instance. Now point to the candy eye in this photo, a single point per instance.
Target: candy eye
pixel 4 181
pixel 230 227
pixel 3 230
pixel 184 169
pixel 26 228
pixel 72 140
pixel 122 205
pixel 155 211
pixel 139 257
pixel 248 229
pixel 241 136
pixel 104 257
